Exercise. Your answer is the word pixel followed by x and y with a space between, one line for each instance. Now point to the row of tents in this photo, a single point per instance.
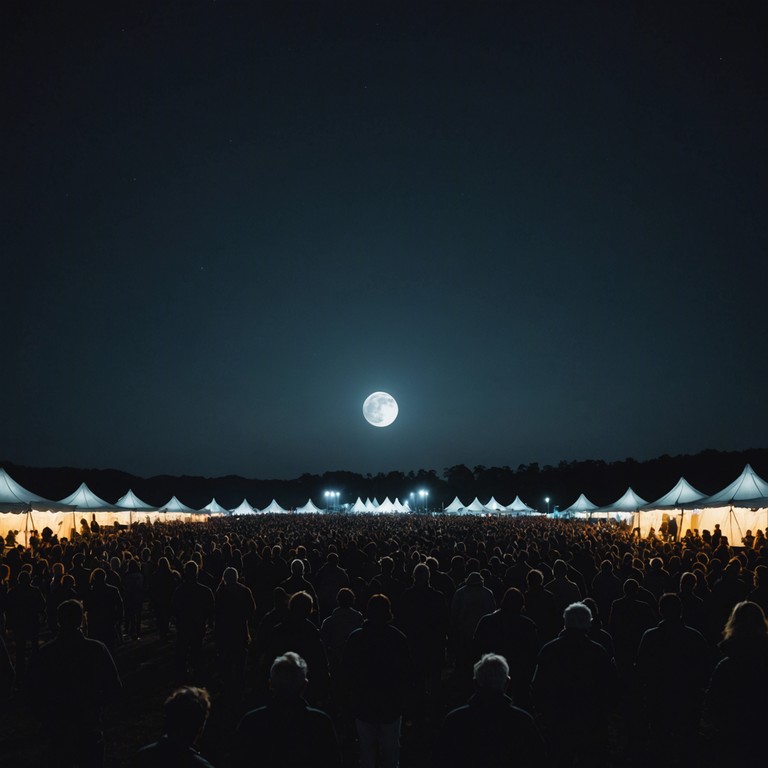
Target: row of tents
pixel 23 511
pixel 740 506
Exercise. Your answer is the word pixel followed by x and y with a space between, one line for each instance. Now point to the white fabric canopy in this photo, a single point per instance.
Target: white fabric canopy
pixel 84 498
pixel 244 508
pixel 358 506
pixel 309 508
pixel 519 507
pixel 455 506
pixel 581 505
pixel 274 509
pixel 476 506
pixel 174 505
pixel 682 494
pixel 747 490
pixel 215 508
pixel 627 503
pixel 132 501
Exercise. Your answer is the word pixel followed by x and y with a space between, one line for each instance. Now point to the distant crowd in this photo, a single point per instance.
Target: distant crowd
pixel 327 639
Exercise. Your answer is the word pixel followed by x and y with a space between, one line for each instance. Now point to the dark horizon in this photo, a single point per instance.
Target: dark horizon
pixel 602 482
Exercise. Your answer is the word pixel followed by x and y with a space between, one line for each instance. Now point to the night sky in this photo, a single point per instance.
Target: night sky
pixel 540 226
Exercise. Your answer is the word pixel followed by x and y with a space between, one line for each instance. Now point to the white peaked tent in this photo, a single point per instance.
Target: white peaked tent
pixel 308 509
pixel 358 506
pixel 494 505
pixel 375 503
pixel 519 507
pixel 137 510
pixel 133 502
pixel 739 507
pixel 386 507
pixel 84 498
pixel 476 507
pixel 399 506
pixel 582 507
pixel 174 506
pixel 176 510
pixel 244 508
pixel 621 509
pixel 214 508
pixel 274 509
pixel 681 497
pixel 370 506
pixel 86 501
pixel 455 506
pixel 22 511
pixel 747 490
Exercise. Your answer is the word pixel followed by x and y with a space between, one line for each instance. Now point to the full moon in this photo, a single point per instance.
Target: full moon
pixel 380 409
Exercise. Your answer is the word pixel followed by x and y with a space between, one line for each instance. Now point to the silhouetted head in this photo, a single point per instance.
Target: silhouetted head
pixel 70 614
pixel 421 575
pixel 560 568
pixel 186 711
pixel 631 588
pixel 191 570
pixel 345 598
pixel 534 578
pixel 747 621
pixel 229 577
pixel 513 601
pixel 379 610
pixel 577 616
pixel 491 673
pixel 98 577
pixel 297 567
pixel 670 607
pixel 300 605
pixel 288 675
pixel 687 582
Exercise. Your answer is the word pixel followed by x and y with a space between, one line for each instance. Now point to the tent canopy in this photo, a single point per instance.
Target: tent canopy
pixel 215 508
pixel 455 506
pixel 174 505
pixel 582 504
pixel 629 502
pixel 682 494
pixel 16 498
pixel 244 508
pixel 747 490
pixel 494 505
pixel 84 498
pixel 274 509
pixel 309 508
pixel 520 507
pixel 476 506
pixel 132 501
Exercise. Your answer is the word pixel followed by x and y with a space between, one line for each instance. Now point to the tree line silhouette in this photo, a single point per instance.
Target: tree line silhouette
pixel 602 482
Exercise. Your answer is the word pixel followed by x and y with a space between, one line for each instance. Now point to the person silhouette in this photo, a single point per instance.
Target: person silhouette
pixel 186 711
pixel 74 678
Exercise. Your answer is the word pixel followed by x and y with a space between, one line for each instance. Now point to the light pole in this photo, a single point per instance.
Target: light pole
pixel 334 497
pixel 547 500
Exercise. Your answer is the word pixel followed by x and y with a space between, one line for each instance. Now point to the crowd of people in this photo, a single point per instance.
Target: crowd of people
pixel 328 640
